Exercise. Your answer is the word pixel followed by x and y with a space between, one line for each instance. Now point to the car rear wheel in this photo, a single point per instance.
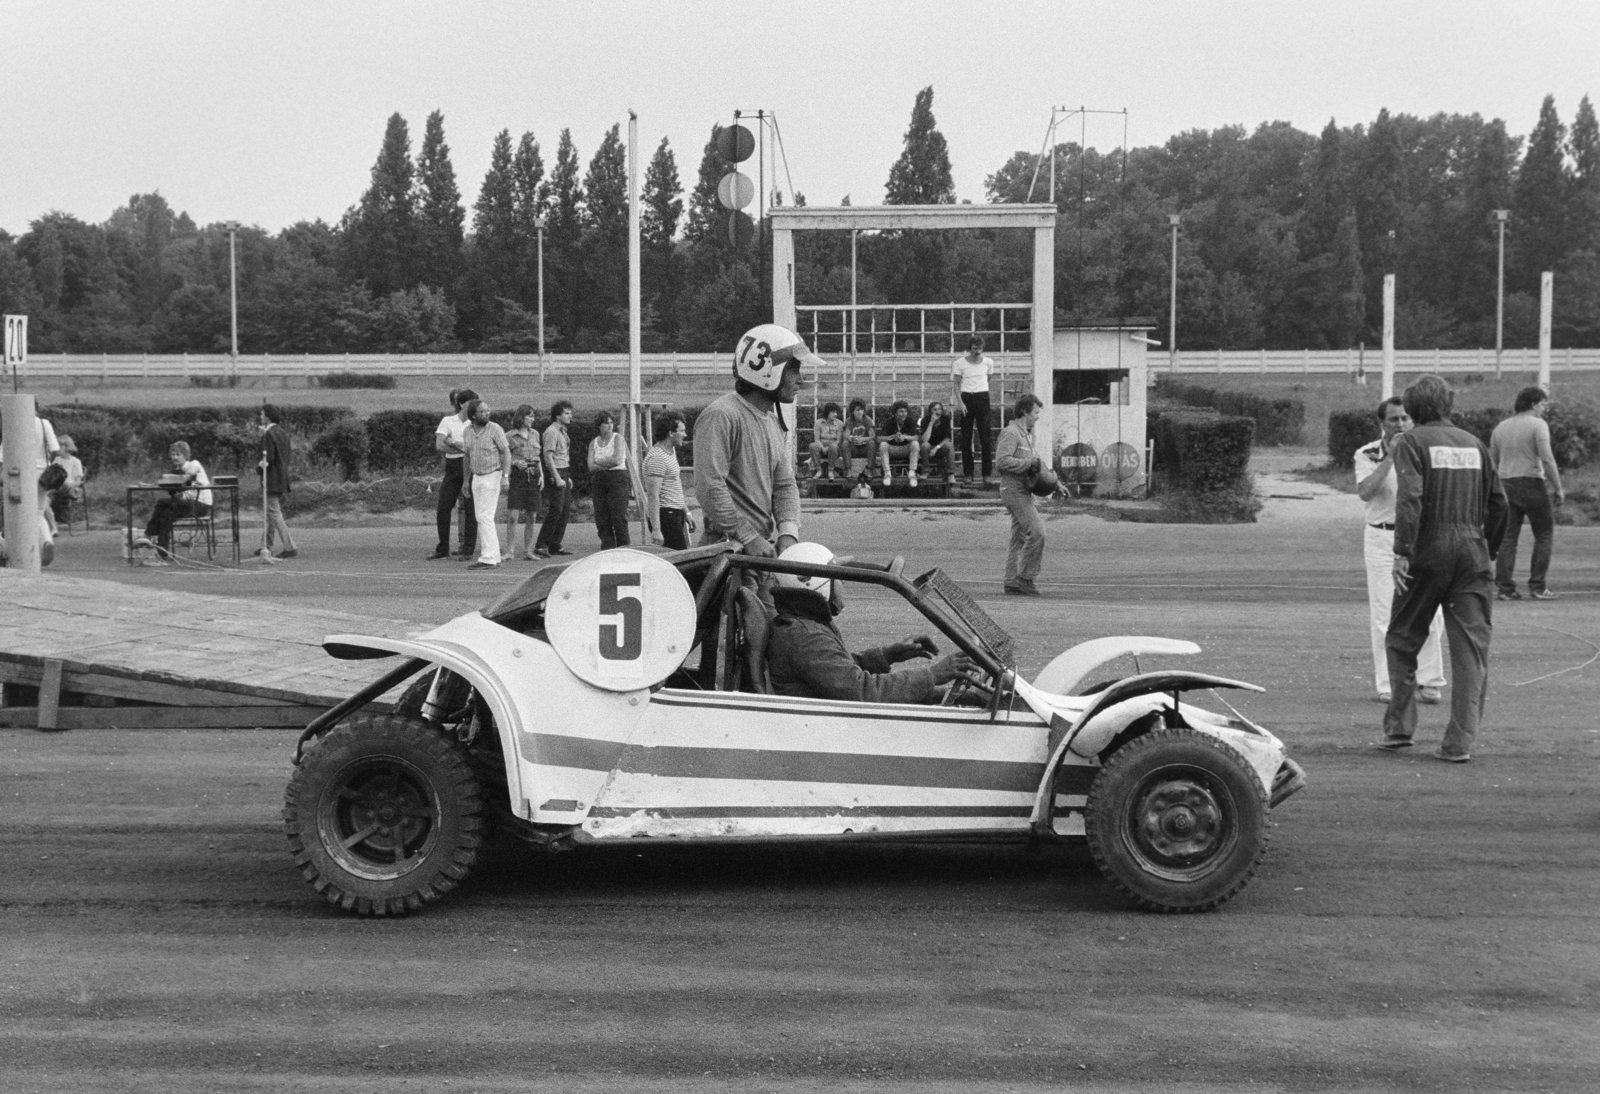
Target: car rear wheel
pixel 1177 821
pixel 384 814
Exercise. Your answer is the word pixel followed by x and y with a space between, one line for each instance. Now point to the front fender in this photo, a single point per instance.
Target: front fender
pixel 1065 734
pixel 1063 674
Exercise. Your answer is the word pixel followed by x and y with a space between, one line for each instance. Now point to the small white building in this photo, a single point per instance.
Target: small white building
pixel 1098 383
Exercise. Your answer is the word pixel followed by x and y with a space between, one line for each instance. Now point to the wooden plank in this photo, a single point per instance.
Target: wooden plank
pixel 81 681
pixel 50 696
pixel 164 717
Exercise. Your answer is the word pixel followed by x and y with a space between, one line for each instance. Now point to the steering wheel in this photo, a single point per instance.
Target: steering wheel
pixel 963 686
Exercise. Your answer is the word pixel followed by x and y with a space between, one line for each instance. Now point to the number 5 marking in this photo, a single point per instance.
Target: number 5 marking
pixel 624 643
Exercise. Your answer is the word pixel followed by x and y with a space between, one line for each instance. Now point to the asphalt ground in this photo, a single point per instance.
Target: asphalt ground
pixel 1416 925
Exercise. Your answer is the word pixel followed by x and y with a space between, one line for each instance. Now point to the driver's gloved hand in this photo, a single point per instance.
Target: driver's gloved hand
pixel 950 666
pixel 911 647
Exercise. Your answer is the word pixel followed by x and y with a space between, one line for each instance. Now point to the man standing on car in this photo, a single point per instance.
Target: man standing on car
pixel 1520 446
pixel 557 482
pixel 1449 515
pixel 449 440
pixel 1017 463
pixel 1375 486
pixel 743 469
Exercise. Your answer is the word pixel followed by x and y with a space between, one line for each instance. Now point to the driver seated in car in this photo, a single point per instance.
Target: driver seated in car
pixel 806 655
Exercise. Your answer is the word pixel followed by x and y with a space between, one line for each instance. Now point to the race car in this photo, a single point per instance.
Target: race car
pixel 626 697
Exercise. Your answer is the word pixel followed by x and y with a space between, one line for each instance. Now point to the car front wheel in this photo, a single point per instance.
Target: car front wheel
pixel 1177 821
pixel 384 814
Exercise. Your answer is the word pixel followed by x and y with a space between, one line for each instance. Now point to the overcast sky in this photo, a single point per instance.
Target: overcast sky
pixel 272 112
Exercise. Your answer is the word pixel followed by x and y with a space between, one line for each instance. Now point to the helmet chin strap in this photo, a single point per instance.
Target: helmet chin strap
pixel 786 411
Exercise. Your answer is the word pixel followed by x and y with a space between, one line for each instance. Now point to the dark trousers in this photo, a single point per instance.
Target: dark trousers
pixel 451 491
pixel 674 530
pixel 1526 497
pixel 976 404
pixel 1449 569
pixel 557 503
pixel 168 511
pixel 609 491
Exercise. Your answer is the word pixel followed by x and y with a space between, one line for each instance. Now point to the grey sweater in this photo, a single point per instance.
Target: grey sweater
pixel 743 476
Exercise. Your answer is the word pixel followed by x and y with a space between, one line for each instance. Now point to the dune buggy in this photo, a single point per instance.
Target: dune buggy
pixel 625 697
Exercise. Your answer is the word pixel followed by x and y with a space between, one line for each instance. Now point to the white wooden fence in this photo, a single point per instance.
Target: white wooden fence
pixel 657 367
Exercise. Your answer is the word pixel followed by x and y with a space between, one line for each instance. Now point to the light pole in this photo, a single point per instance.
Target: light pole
pixel 1500 216
pixel 232 228
pixel 538 227
pixel 1172 318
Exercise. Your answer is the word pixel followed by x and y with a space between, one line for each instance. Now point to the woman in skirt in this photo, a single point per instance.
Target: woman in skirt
pixel 526 478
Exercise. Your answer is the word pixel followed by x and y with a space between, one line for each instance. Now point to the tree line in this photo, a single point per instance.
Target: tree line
pixel 1283 242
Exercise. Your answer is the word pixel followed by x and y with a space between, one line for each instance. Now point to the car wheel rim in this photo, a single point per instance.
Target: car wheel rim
pixel 1180 824
pixel 379 818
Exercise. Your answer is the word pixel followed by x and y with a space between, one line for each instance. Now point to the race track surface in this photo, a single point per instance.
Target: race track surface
pixel 1415 926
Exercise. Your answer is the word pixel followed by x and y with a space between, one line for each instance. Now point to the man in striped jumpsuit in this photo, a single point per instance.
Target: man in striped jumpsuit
pixel 1450 512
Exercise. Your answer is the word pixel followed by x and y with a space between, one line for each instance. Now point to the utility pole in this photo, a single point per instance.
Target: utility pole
pixel 1500 216
pixel 232 228
pixel 538 227
pixel 1172 318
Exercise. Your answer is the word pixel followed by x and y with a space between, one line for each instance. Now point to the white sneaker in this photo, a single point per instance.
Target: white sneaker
pixel 888 480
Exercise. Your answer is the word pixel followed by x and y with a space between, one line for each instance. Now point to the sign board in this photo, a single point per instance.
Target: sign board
pixel 735 191
pixel 621 620
pixel 734 143
pixel 16 340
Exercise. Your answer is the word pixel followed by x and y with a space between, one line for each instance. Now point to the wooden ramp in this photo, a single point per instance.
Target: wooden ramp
pixel 78 654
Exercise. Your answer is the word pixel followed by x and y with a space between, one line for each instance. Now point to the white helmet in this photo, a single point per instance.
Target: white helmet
pixel 765 351
pixel 815 554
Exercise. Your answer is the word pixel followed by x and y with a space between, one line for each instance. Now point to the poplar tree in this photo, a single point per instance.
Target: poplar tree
pixel 563 262
pixel 1539 205
pixel 662 202
pixel 605 242
pixel 704 210
pixel 440 215
pixel 494 223
pixel 921 176
pixel 1583 144
pixel 530 198
pixel 381 232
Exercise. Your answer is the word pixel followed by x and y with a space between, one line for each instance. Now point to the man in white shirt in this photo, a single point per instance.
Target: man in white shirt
pixel 450 440
pixel 1375 484
pixel 969 399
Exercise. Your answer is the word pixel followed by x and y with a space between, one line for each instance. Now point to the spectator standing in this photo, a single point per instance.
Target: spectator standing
pixel 449 439
pixel 522 496
pixel 609 482
pixel 1017 461
pixel 62 497
pixel 666 513
pixel 743 474
pixel 900 441
pixel 557 453
pixel 488 458
pixel 1450 514
pixel 938 450
pixel 1520 448
pixel 192 500
pixel 274 469
pixel 1375 483
pixel 860 436
pixel 827 449
pixel 969 378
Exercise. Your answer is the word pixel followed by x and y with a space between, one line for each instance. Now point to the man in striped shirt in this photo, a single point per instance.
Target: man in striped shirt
pixel 1450 514
pixel 664 511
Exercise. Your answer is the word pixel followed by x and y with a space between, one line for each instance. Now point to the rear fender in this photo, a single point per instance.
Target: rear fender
pixel 1086 739
pixel 1068 670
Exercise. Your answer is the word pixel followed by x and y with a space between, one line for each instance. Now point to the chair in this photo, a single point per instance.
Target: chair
pixel 196 528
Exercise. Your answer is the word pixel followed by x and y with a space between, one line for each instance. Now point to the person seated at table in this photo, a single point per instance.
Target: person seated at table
pixel 806 654
pixel 189 496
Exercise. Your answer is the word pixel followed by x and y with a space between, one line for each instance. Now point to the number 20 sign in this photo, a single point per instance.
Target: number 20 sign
pixel 621 620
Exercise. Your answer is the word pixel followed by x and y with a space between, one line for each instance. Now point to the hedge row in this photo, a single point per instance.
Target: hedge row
pixel 1201 451
pixel 1278 421
pixel 1574 430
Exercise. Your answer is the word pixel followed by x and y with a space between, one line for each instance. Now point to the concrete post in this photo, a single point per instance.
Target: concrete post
pixel 1546 302
pixel 24 461
pixel 1043 323
pixel 1388 336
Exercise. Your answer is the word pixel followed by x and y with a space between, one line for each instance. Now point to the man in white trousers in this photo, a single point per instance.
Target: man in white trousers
pixel 1375 483
pixel 488 459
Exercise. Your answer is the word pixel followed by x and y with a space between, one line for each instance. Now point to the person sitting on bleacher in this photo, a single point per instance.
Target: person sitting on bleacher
pixel 938 447
pixel 806 654
pixel 899 443
pixel 860 436
pixel 827 452
pixel 192 500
